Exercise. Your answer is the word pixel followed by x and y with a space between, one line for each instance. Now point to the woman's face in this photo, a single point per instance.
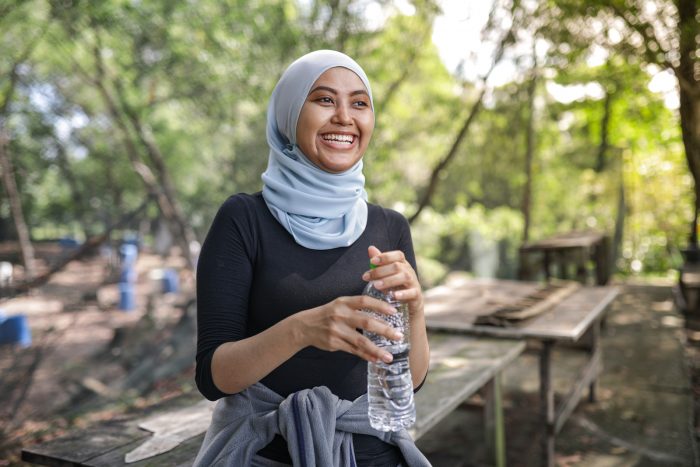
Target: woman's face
pixel 336 121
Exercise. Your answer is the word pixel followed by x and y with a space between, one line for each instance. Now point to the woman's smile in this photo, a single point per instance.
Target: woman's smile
pixel 339 140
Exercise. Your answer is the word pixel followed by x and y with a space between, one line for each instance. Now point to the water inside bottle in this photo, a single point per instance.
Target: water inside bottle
pixel 390 392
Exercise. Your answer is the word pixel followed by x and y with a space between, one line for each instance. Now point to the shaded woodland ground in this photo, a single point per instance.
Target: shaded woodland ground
pixel 90 361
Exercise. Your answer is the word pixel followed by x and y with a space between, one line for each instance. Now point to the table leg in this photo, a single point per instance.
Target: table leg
pixel 493 420
pixel 594 351
pixel 547 404
pixel 563 265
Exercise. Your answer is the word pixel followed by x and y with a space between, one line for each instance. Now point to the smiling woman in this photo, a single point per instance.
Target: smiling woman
pixel 279 288
pixel 336 121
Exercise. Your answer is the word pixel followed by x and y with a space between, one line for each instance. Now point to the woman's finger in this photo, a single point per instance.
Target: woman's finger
pixel 364 348
pixel 388 257
pixel 406 295
pixel 372 324
pixel 394 275
pixel 351 341
pixel 365 302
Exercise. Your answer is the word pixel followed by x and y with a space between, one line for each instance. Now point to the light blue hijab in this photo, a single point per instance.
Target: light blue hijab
pixel 321 210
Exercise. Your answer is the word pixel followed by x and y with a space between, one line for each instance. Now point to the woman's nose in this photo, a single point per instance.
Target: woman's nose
pixel 342 115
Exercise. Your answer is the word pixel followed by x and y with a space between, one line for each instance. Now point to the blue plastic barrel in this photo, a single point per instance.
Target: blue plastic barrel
pixel 128 274
pixel 127 296
pixel 171 281
pixel 132 239
pixel 128 253
pixel 15 330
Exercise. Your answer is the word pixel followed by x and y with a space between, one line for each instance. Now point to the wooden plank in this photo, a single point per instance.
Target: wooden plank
pixel 455 306
pixel 570 319
pixel 79 447
pixel 459 366
pixel 567 240
pixel 183 454
pixel 530 306
pixel 172 428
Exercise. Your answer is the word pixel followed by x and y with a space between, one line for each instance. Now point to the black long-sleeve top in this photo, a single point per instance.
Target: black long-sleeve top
pixel 251 274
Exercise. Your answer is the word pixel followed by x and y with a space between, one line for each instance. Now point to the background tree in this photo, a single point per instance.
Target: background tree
pixel 662 33
pixel 121 101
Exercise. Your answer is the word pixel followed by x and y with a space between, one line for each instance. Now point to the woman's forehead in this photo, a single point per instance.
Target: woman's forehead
pixel 340 79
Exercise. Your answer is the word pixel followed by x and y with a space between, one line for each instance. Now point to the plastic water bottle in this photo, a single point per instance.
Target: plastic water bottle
pixel 389 385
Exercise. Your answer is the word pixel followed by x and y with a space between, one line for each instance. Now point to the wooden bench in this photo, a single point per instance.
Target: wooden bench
pixel 459 367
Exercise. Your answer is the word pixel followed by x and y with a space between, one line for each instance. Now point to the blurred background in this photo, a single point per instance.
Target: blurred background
pixel 124 124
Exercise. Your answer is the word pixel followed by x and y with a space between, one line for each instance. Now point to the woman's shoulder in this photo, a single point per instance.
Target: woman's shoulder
pixel 248 202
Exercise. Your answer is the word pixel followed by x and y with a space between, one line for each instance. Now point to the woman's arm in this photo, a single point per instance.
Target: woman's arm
pixel 393 271
pixel 333 326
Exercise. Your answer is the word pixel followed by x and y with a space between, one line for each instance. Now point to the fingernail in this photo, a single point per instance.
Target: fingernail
pixel 365 276
pixel 398 335
pixel 376 260
pixel 387 357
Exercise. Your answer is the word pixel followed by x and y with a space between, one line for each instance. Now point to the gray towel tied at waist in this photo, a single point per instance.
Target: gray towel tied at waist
pixel 317 425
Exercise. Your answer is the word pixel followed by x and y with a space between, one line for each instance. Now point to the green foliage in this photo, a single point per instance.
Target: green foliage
pixel 197 75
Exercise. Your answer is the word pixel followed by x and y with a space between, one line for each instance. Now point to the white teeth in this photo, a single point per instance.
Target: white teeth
pixel 339 138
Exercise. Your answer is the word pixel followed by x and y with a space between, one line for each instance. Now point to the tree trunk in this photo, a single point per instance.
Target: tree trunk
pixel 8 173
pixel 529 151
pixel 75 192
pixel 690 130
pixel 8 179
pixel 690 99
pixel 604 133
pixel 163 191
pixel 183 231
pixel 619 218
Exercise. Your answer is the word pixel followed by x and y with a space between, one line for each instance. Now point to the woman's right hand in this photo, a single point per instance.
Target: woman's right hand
pixel 333 326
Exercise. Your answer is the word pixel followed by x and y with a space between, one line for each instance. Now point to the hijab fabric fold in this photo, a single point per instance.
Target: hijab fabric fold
pixel 321 210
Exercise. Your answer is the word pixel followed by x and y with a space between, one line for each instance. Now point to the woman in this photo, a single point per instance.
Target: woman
pixel 279 286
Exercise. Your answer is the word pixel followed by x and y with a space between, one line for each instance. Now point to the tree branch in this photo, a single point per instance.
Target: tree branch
pixel 14 76
pixel 452 152
pixel 643 28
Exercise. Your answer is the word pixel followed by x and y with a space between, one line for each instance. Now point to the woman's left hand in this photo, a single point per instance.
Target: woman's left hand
pixel 394 272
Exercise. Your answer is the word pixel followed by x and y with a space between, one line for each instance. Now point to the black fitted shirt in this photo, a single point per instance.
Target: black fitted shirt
pixel 251 274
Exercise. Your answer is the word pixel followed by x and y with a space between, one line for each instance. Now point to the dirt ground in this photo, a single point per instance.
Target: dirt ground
pixel 86 362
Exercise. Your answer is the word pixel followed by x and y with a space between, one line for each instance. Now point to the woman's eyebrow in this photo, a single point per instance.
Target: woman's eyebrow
pixel 323 88
pixel 333 91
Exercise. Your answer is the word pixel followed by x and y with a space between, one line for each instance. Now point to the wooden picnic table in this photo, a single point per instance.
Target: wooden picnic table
pixel 459 367
pixel 456 306
pixel 564 250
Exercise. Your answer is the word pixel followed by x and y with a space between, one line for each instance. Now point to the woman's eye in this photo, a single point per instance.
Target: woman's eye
pixel 325 100
pixel 361 104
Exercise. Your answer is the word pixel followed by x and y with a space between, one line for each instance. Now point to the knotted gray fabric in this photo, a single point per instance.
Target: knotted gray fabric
pixel 317 425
